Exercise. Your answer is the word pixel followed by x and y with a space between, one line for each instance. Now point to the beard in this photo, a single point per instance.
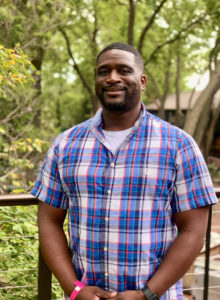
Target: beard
pixel 126 103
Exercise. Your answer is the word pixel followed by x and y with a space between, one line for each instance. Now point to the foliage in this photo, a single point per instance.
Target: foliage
pixel 215 173
pixel 17 102
pixel 19 254
pixel 47 62
pixel 14 67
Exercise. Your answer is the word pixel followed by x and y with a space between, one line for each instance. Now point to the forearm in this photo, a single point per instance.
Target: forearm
pixel 55 250
pixel 177 261
pixel 58 259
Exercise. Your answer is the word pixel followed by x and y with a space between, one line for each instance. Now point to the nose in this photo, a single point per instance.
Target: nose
pixel 113 77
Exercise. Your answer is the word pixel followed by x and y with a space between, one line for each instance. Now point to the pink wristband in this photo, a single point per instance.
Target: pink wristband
pixel 79 285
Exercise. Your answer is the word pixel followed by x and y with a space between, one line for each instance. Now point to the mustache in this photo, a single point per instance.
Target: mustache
pixel 113 87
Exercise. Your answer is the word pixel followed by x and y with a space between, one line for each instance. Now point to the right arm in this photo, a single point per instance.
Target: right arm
pixel 54 247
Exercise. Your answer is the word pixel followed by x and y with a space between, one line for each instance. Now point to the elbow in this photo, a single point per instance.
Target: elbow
pixel 197 240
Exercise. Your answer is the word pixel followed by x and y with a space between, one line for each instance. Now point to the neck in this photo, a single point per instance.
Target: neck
pixel 117 122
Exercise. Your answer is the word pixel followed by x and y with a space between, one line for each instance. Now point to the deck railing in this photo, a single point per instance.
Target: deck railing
pixel 44 274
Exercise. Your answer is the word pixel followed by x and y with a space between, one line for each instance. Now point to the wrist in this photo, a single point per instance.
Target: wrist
pixel 78 287
pixel 149 295
pixel 141 295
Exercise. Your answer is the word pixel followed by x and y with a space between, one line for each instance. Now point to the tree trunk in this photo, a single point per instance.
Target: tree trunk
pixel 193 116
pixel 58 112
pixel 161 112
pixel 37 62
pixel 203 123
pixel 179 115
pixel 211 130
pixel 132 5
pixel 86 84
pixel 148 25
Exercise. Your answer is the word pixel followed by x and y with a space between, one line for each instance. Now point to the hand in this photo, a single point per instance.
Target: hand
pixel 130 295
pixel 94 293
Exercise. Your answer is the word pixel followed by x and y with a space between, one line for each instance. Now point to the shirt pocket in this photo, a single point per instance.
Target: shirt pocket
pixel 158 181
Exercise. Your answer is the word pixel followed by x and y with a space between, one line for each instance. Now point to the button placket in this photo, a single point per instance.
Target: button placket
pixel 106 220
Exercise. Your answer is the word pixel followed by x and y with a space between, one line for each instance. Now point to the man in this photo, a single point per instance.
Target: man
pixel 129 181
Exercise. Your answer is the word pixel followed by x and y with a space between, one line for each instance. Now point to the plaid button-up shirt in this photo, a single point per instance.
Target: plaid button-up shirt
pixel 121 206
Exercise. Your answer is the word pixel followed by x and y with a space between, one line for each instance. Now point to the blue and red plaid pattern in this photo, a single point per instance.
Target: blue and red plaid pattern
pixel 121 206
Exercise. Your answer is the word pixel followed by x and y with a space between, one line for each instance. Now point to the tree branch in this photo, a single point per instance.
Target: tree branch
pixel 178 36
pixel 179 115
pixel 20 109
pixel 41 32
pixel 159 96
pixel 131 19
pixel 205 97
pixel 120 3
pixel 213 56
pixel 75 66
pixel 149 24
pixel 96 29
pixel 161 112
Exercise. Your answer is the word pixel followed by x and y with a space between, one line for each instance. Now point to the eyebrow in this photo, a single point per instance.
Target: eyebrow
pixel 118 65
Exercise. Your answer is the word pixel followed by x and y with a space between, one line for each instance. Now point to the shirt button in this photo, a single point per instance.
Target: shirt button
pixel 109 192
pixel 112 164
pixel 106 274
pixel 106 219
pixel 105 248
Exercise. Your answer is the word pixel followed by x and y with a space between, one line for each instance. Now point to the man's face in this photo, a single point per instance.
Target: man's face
pixel 119 81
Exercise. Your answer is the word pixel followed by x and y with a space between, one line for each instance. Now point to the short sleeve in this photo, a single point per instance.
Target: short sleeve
pixel 193 186
pixel 48 186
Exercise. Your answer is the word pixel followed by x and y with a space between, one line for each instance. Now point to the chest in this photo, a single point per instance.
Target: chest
pixel 138 168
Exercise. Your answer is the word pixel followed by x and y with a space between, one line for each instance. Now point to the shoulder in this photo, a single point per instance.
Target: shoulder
pixel 166 129
pixel 168 136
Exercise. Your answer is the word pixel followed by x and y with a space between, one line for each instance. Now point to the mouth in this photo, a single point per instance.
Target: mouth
pixel 114 90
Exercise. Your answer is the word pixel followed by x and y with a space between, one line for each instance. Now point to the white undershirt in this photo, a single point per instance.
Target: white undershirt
pixel 116 138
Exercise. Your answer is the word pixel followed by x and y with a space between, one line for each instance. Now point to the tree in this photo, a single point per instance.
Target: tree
pixel 204 101
pixel 16 89
pixel 63 38
pixel 198 122
pixel 31 24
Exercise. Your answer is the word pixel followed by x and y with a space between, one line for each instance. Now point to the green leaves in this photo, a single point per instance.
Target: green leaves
pixel 17 157
pixel 19 252
pixel 15 68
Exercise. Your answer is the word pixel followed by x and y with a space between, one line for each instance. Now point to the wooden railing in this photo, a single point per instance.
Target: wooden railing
pixel 44 274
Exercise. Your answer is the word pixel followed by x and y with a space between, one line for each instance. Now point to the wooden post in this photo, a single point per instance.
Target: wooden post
pixel 44 279
pixel 207 256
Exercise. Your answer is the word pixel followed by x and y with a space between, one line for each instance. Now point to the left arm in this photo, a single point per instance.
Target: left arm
pixel 191 226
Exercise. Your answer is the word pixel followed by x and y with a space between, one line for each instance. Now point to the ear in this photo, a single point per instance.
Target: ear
pixel 143 81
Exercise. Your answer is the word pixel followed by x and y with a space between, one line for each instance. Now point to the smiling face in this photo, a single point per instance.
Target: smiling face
pixel 119 81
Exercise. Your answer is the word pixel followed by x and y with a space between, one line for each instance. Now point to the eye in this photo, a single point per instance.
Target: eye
pixel 102 72
pixel 125 71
